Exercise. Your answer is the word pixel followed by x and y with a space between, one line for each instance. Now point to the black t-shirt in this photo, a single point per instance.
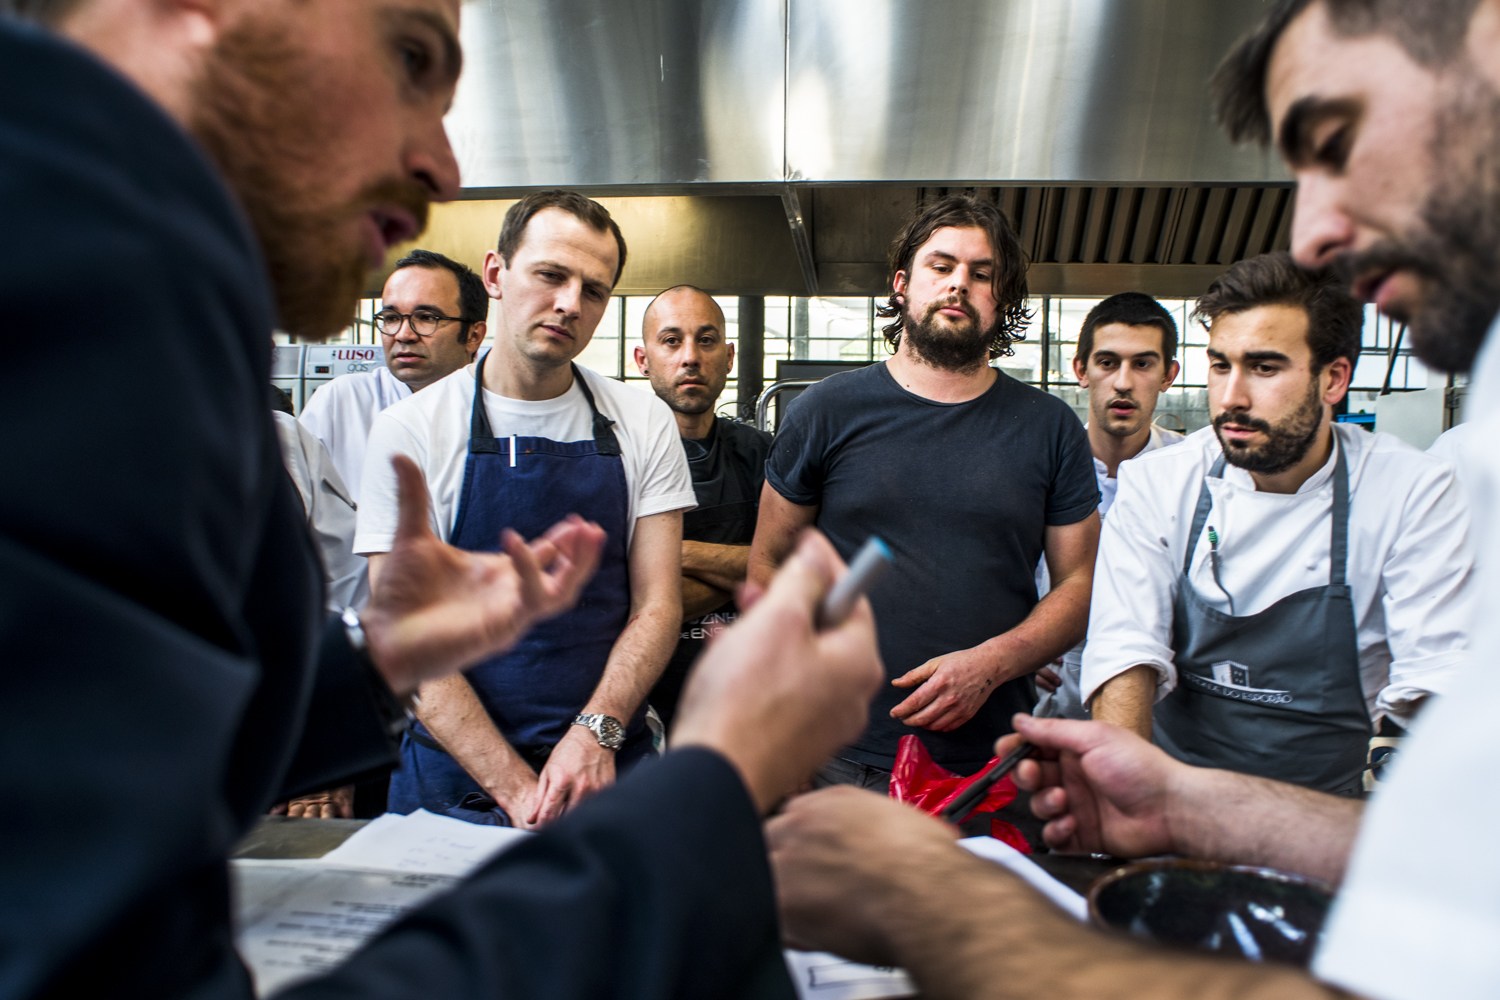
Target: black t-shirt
pixel 728 468
pixel 962 493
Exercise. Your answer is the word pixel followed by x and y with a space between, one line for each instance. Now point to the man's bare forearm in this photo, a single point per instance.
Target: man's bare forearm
pixel 979 932
pixel 1237 818
pixel 779 524
pixel 454 715
pixel 721 566
pixel 1126 700
pixel 698 598
pixel 636 660
pixel 1054 626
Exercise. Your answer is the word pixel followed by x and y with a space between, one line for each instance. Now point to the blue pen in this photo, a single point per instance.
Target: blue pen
pixel 869 565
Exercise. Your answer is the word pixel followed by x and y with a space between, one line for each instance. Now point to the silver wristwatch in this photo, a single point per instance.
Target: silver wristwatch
pixel 606 728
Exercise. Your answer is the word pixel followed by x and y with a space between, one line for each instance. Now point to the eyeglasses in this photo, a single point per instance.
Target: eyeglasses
pixel 423 322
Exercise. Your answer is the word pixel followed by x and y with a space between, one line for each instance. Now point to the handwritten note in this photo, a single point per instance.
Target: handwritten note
pixel 298 921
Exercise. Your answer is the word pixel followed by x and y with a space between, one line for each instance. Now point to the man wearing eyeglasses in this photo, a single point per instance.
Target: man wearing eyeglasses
pixel 431 323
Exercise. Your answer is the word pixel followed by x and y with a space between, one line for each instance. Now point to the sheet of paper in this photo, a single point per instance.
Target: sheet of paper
pixel 423 842
pixel 1003 854
pixel 820 976
pixel 299 919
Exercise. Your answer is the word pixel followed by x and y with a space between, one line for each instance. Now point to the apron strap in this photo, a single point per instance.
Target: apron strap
pixel 482 437
pixel 604 434
pixel 1200 516
pixel 1339 551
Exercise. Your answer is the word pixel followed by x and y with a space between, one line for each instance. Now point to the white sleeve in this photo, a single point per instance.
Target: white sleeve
pixel 1135 582
pixel 1428 593
pixel 379 506
pixel 1418 914
pixel 317 413
pixel 663 482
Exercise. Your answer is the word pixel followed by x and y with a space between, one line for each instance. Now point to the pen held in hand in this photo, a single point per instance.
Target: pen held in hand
pixel 958 810
pixel 869 565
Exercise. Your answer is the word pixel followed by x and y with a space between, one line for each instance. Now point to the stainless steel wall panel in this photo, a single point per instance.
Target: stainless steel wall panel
pixel 1091 91
pixel 586 93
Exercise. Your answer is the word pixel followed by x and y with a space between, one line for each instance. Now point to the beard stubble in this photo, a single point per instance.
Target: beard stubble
pixel 260 118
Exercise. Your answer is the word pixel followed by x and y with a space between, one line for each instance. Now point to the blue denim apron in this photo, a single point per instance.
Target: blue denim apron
pixel 534 691
pixel 1275 694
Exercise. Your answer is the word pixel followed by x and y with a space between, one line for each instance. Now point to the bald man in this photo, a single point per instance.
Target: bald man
pixel 687 357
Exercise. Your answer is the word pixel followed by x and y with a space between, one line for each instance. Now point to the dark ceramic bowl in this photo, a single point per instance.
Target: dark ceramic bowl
pixel 1253 913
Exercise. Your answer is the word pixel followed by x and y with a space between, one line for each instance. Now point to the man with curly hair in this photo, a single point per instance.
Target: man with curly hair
pixel 968 475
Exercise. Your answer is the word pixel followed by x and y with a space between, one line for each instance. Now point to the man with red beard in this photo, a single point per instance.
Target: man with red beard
pixel 1271 533
pixel 968 475
pixel 169 672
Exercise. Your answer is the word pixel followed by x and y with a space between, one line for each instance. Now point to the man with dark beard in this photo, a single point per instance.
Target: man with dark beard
pixel 1272 532
pixel 168 670
pixel 686 353
pixel 968 475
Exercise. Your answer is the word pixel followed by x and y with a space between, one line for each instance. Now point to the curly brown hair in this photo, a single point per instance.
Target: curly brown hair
pixel 961 211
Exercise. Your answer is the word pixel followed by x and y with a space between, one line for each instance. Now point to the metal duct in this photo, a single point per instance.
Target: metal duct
pixel 673 94
pixel 714 121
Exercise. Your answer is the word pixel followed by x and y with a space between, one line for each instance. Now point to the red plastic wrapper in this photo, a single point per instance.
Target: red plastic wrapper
pixel 918 781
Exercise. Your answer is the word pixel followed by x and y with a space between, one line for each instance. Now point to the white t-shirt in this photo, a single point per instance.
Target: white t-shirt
pixel 340 415
pixel 432 427
pixel 1409 569
pixel 1418 915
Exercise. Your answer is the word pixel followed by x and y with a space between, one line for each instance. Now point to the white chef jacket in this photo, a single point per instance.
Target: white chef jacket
pixel 1067 701
pixel 330 513
pixel 1409 567
pixel 1452 445
pixel 1418 915
pixel 340 415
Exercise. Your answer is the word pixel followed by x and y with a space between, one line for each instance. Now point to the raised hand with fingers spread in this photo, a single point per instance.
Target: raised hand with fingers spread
pixel 435 609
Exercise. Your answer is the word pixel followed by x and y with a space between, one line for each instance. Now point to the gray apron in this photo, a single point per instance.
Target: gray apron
pixel 1276 694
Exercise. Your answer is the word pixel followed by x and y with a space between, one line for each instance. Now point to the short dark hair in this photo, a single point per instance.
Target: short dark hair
pixel 586 210
pixel 1131 309
pixel 1431 31
pixel 1335 319
pixel 966 212
pixel 473 300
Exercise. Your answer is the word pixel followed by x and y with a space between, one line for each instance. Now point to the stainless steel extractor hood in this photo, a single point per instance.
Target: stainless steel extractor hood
pixel 1089 119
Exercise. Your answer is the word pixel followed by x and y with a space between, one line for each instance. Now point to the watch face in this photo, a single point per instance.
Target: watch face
pixel 611 733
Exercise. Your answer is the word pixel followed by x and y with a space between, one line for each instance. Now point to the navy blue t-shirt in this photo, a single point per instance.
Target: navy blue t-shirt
pixel 962 493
